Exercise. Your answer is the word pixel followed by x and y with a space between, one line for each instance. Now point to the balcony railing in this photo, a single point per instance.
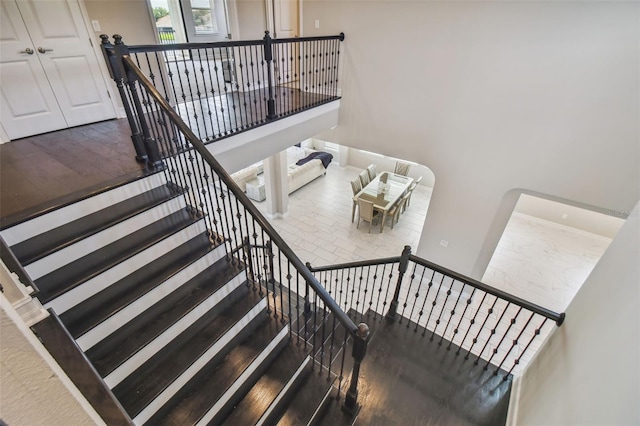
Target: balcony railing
pixel 166 35
pixel 222 89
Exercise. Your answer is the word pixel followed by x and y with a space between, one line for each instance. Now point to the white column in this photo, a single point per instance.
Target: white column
pixel 276 185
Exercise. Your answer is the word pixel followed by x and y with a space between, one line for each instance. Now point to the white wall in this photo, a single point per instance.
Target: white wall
pixel 588 371
pixel 35 390
pixel 605 224
pixel 492 97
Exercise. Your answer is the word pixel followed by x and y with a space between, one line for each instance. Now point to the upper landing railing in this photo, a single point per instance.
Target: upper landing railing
pixel 221 89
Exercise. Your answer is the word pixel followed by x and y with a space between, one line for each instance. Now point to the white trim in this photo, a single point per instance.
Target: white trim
pixel 283 392
pixel 246 374
pixel 190 372
pixel 97 50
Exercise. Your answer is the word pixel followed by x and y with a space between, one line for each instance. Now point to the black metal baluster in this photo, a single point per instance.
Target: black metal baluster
pixel 517 360
pixel 204 91
pixel 492 331
pixel 495 350
pixel 289 296
pixel 426 297
pixel 486 318
pixel 344 355
pixel 444 305
pixel 433 305
pixel 451 314
pixel 410 292
pixel 457 329
pixel 322 340
pixel 298 305
pixel 514 343
pixel 331 345
pixel 472 321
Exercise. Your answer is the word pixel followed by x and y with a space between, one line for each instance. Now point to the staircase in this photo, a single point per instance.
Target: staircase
pixel 165 318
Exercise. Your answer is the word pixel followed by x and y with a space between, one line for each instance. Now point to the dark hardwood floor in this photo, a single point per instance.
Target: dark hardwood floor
pixel 407 379
pixel 37 170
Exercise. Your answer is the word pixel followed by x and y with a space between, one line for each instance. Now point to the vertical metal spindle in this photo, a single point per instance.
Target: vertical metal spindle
pixel 452 313
pixel 511 324
pixel 444 305
pixel 536 333
pixel 492 331
pixel 457 329
pixel 486 318
pixel 515 341
pixel 433 305
pixel 426 297
pixel 411 293
pixel 471 321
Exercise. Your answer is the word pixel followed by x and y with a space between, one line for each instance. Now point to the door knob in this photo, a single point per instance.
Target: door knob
pixel 43 50
pixel 28 51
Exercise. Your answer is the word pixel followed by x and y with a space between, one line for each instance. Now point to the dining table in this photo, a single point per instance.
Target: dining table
pixel 384 191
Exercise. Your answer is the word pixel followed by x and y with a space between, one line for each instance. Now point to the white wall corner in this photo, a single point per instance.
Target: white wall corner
pixel 18 295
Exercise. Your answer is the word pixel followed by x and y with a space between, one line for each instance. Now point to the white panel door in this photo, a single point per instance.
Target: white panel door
pixel 27 102
pixel 63 46
pixel 285 18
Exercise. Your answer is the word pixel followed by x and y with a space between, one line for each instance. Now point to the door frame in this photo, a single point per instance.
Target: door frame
pixel 104 71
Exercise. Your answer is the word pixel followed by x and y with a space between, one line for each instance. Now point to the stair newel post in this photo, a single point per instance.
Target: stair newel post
pixel 402 269
pixel 361 340
pixel 151 146
pixel 113 59
pixel 268 57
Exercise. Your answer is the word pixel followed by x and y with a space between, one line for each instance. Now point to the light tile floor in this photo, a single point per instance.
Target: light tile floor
pixel 540 261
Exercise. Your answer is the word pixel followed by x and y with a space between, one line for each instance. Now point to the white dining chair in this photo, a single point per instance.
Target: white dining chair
pixel 356 187
pixel 366 212
pixel 402 168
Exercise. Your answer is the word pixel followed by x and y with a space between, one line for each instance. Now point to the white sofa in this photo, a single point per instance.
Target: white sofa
pixel 298 176
pixel 241 177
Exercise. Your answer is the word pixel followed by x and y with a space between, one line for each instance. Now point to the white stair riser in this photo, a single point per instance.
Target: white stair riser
pixel 246 374
pixel 140 357
pixel 188 374
pixel 103 238
pixel 126 314
pixel 64 215
pixel 283 392
pixel 98 283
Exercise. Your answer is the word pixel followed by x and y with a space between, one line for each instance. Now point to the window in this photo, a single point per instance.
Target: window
pixel 202 11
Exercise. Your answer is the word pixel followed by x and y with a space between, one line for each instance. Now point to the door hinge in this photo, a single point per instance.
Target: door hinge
pixel 109 94
pixel 90 42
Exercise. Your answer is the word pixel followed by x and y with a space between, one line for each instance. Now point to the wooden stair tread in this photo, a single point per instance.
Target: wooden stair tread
pixel 75 273
pixel 307 400
pixel 204 390
pixel 116 348
pixel 89 313
pixel 140 388
pixel 37 247
pixel 266 389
